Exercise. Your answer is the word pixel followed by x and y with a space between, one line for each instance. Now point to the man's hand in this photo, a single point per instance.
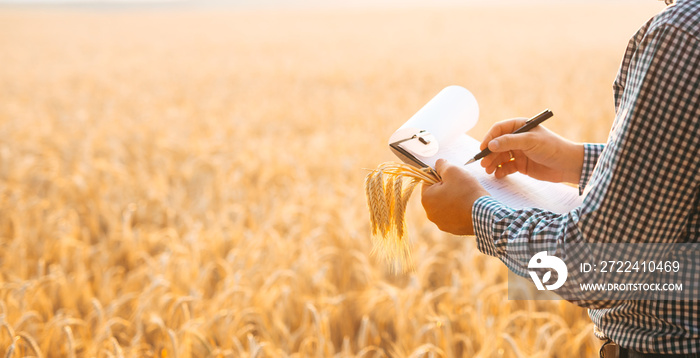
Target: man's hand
pixel 539 153
pixel 449 203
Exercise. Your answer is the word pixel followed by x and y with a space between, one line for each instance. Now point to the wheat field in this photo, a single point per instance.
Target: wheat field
pixel 188 182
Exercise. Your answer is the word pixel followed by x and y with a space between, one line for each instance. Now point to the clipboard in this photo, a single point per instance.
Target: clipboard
pixel 431 131
pixel 421 138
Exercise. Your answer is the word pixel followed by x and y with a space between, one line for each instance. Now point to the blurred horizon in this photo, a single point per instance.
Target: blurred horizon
pixel 296 4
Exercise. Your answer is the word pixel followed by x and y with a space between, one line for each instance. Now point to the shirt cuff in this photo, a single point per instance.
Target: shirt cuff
pixel 591 152
pixel 485 212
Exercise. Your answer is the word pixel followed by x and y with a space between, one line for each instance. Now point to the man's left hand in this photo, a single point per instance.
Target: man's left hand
pixel 449 203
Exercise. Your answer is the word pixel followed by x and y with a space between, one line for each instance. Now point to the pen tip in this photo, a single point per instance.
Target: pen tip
pixel 470 161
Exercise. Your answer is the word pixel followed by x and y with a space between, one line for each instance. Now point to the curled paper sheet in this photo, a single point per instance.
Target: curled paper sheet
pixel 445 118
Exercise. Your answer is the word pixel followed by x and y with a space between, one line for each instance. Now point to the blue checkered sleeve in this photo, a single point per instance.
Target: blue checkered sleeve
pixel 591 152
pixel 514 236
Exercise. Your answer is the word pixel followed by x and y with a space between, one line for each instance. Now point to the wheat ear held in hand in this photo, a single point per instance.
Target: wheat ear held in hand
pixel 388 189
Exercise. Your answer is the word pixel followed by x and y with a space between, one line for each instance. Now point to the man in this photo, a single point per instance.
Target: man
pixel 642 186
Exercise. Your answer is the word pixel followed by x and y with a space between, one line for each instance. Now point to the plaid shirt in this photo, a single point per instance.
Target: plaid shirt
pixel 642 186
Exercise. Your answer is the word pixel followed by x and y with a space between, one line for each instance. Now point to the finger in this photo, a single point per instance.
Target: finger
pixel 423 187
pixel 505 169
pixel 504 127
pixel 490 169
pixel 495 159
pixel 441 166
pixel 520 141
pixel 425 194
pixel 429 192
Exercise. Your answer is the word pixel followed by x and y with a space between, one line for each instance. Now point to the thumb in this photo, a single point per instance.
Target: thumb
pixel 441 166
pixel 506 142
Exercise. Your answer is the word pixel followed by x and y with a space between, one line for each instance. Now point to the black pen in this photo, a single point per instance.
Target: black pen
pixel 531 123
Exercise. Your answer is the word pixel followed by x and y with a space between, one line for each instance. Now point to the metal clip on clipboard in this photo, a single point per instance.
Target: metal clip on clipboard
pixel 423 137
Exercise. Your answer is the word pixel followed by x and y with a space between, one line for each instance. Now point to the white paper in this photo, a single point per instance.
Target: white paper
pixel 447 117
pixel 515 190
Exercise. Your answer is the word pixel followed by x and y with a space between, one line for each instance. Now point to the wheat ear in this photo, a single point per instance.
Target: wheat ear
pixel 387 199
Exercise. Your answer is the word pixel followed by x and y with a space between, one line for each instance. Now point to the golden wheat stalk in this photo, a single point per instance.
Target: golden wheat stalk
pixel 387 198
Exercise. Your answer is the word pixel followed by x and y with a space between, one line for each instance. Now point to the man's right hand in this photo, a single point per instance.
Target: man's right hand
pixel 539 153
